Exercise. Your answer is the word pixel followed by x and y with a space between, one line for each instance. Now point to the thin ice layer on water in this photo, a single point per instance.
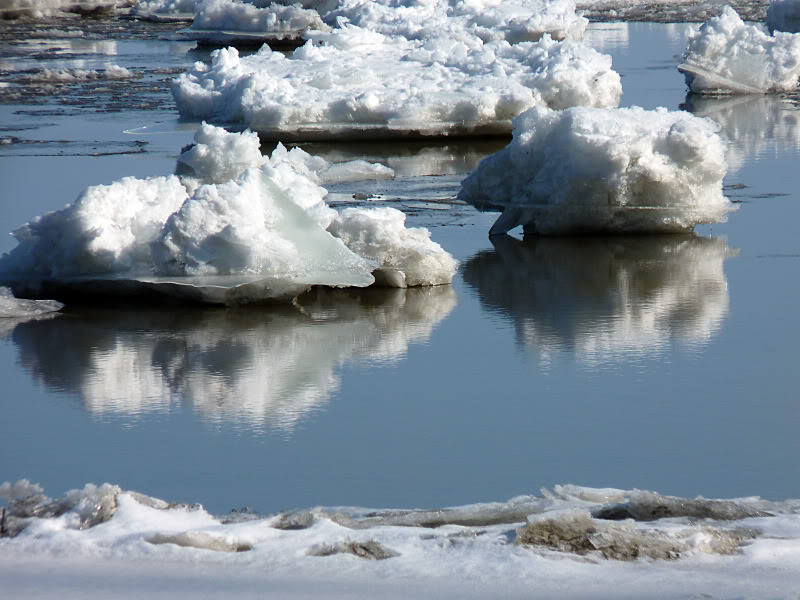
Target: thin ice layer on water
pixel 393 87
pixel 729 56
pixel 479 20
pixel 595 170
pixel 243 227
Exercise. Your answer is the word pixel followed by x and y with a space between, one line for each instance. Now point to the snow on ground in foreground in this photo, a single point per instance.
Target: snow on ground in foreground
pixel 240 216
pixel 728 56
pixel 393 86
pixel 616 171
pixel 574 541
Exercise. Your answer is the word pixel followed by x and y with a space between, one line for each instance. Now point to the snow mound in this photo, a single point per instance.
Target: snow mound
pixel 392 87
pixel 783 15
pixel 596 170
pixel 479 20
pixel 727 56
pixel 243 227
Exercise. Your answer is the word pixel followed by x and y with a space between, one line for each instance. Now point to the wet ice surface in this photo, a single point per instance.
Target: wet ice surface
pixel 670 366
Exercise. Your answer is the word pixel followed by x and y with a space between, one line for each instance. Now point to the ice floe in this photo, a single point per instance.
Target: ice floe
pixel 38 9
pixel 604 299
pixel 392 87
pixel 19 308
pixel 242 228
pixel 280 367
pixel 526 539
pixel 596 170
pixel 728 56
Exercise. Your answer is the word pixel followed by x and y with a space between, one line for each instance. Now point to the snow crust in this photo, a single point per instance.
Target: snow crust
pixel 469 22
pixel 728 56
pixel 563 544
pixel 280 368
pixel 18 308
pixel 596 170
pixel 585 297
pixel 783 15
pixel 392 86
pixel 242 216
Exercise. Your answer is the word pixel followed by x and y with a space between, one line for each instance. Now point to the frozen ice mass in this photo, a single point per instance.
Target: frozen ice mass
pixel 242 229
pixel 729 56
pixel 567 539
pixel 599 170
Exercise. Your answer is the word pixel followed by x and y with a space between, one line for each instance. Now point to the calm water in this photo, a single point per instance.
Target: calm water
pixel 666 363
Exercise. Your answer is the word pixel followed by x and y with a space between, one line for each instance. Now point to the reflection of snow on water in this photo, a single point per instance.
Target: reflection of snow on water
pixel 261 368
pixel 605 299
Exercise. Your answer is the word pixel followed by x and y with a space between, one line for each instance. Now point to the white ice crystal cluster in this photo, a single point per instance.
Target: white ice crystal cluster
pixel 599 170
pixel 728 56
pixel 241 216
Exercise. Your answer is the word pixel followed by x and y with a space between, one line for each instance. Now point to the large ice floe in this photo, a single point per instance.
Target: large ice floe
pixel 604 299
pixel 595 170
pixel 281 366
pixel 245 228
pixel 729 56
pixel 393 87
pixel 567 541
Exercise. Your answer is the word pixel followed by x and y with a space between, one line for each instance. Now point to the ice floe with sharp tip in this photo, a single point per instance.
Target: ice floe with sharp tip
pixel 728 56
pixel 603 171
pixel 392 88
pixel 243 228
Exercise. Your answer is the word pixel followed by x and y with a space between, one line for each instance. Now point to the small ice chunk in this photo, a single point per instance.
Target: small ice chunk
pixel 649 506
pixel 597 170
pixel 370 549
pixel 380 234
pixel 728 56
pixel 783 15
pixel 11 307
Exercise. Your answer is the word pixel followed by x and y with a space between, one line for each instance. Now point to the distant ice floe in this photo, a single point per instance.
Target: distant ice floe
pixel 687 544
pixel 783 15
pixel 728 56
pixel 39 9
pixel 244 228
pixel 280 367
pixel 593 170
pixel 393 87
pixel 111 72
pixel 19 308
pixel 604 299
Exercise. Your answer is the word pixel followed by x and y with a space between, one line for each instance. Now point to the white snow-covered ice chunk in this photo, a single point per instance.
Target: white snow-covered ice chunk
pixel 617 171
pixel 38 9
pixel 728 56
pixel 324 172
pixel 107 230
pixel 273 19
pixel 380 234
pixel 783 15
pixel 111 72
pixel 254 227
pixel 392 87
pixel 18 308
pixel 219 156
pixel 470 22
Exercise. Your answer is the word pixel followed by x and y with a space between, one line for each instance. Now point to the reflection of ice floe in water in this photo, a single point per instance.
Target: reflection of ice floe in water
pixel 261 368
pixel 604 298
pixel 607 36
pixel 758 126
pixel 527 538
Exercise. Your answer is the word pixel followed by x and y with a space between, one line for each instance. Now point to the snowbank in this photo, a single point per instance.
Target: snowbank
pixel 570 542
pixel 280 368
pixel 392 87
pixel 587 298
pixel 727 56
pixel 242 220
pixel 594 170
pixel 783 15
pixel 469 22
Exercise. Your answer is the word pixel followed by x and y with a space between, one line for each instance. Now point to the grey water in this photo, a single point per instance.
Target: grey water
pixel 663 363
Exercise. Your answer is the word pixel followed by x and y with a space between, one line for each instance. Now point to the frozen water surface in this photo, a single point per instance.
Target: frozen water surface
pixel 664 364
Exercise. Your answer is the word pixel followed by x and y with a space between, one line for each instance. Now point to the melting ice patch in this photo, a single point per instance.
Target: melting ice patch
pixel 280 367
pixel 392 87
pixel 523 540
pixel 604 299
pixel 263 234
pixel 728 56
pixel 594 170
